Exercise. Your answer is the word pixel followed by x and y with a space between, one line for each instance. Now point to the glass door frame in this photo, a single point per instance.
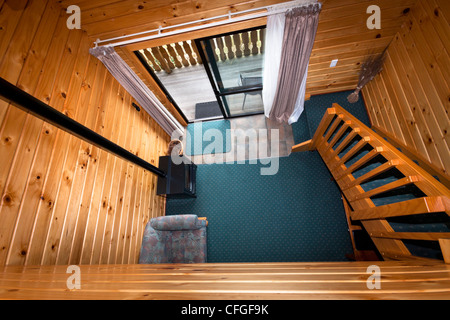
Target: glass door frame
pixel 211 71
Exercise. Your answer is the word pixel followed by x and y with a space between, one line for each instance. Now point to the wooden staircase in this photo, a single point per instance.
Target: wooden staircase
pixel 357 157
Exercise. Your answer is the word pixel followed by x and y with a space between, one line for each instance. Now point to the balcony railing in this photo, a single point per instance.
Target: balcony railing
pixel 185 53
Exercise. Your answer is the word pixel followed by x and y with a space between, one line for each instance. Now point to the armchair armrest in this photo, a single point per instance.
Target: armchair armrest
pixel 177 222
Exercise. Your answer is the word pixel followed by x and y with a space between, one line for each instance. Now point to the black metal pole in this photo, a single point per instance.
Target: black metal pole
pixel 30 104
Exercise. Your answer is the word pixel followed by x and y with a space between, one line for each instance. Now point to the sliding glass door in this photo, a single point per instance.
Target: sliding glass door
pixel 211 78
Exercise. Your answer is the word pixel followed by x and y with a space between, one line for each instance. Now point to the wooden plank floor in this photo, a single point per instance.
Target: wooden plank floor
pixel 314 280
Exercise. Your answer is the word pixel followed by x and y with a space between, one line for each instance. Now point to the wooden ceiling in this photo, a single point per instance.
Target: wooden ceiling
pixel 342 32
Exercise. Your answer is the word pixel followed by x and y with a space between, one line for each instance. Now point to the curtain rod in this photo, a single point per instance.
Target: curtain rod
pixel 19 98
pixel 270 10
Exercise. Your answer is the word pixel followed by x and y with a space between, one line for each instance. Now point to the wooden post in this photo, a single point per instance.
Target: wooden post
pixel 150 57
pixel 254 40
pixel 180 52
pixel 161 59
pixel 237 43
pixel 222 54
pixel 245 41
pixel 304 146
pixel 262 38
pixel 173 54
pixel 229 46
pixel 188 50
pixel 164 53
pixel 197 55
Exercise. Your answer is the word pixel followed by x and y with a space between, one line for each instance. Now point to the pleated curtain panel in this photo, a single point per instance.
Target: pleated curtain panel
pixel 138 90
pixel 289 41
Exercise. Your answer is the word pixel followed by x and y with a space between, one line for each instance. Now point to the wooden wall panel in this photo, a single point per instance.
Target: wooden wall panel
pixel 409 99
pixel 63 200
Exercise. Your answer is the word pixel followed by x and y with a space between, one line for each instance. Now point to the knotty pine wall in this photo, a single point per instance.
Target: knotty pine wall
pixel 410 98
pixel 64 201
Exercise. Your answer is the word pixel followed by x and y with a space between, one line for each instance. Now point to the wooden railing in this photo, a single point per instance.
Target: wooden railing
pixel 339 138
pixel 185 53
pixel 171 56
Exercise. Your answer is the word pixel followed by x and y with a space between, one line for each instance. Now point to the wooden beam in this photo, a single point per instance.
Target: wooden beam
pixel 380 169
pixel 338 134
pixel 404 208
pixel 387 187
pixel 323 125
pixel 198 34
pixel 400 257
pixel 333 127
pixel 413 279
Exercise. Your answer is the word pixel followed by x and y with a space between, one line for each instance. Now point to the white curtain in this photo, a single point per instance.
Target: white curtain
pixel 272 51
pixel 138 90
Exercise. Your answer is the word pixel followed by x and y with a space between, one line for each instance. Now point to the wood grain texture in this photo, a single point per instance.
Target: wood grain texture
pixel 409 99
pixel 231 281
pixel 58 193
pixel 342 32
